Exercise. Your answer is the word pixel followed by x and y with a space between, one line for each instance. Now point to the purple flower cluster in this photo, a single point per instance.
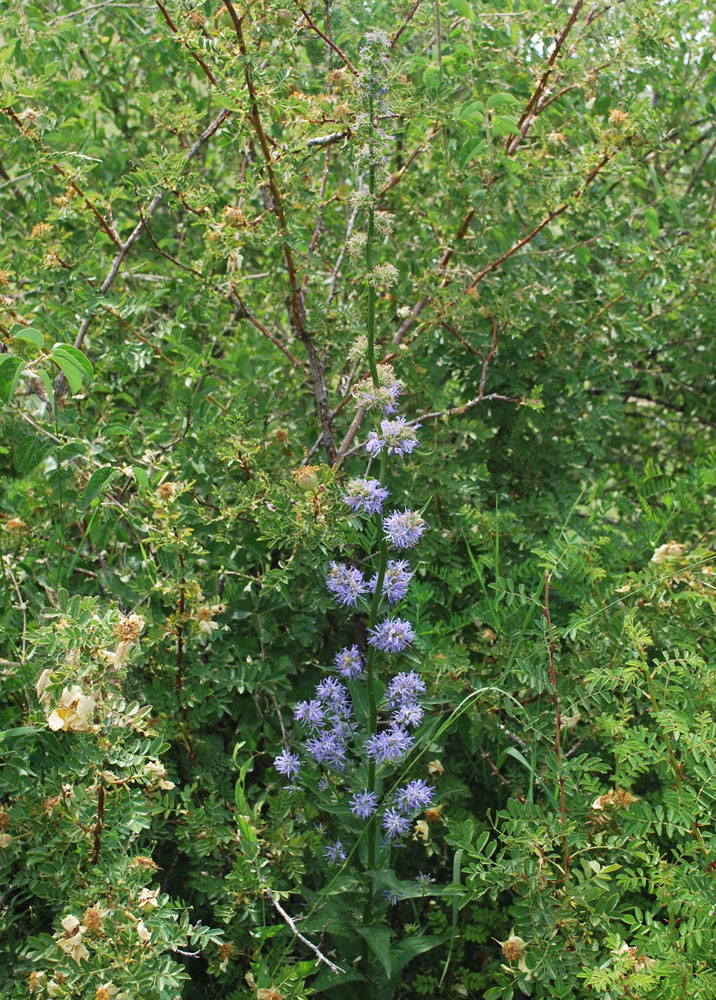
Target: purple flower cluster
pixel 392 635
pixel 347 584
pixel 403 529
pixel 350 663
pixel 365 496
pixel 364 804
pixel 287 763
pixel 414 796
pixel 370 397
pixel 396 435
pixel 329 718
pixel 404 689
pixel 334 853
pixel 396 580
pixel 389 746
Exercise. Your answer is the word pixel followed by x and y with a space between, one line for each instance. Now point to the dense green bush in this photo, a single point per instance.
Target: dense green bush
pixel 207 221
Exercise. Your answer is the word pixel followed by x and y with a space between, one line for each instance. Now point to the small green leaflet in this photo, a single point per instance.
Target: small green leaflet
pixel 74 364
pixel 98 482
pixel 10 371
pixel 29 335
pixel 463 8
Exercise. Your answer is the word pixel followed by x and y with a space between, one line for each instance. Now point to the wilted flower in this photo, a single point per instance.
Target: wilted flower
pixel 421 830
pixel 514 950
pixel 41 684
pixel 71 940
pixel 75 711
pixel 671 550
pixel 144 935
pixel 129 627
pixel 148 900
pixel 205 617
pixel 92 918
pixel 158 773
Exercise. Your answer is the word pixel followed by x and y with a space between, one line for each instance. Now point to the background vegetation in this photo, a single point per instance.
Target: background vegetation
pixel 181 326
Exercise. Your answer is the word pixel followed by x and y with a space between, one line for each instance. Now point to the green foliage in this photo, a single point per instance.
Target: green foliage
pixel 184 302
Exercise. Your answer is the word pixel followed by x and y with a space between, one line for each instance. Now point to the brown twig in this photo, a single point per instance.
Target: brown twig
pixel 297 310
pixel 99 824
pixel 329 41
pixel 537 229
pixel 405 24
pixel 207 72
pixel 527 116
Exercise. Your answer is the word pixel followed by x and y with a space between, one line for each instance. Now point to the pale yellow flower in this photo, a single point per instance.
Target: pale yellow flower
pixel 148 901
pixel 75 711
pixel 71 941
pixel 671 550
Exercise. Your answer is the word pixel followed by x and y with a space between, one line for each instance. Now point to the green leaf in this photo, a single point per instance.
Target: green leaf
pixel 378 939
pixel 74 357
pixel 98 482
pixel 29 335
pixel 409 948
pixel 29 453
pixel 464 9
pixel 10 371
pixel 471 111
pixel 673 207
pixel 501 101
pixel 469 151
pixel 141 476
pixel 652 220
pixel 72 373
pixel 582 256
pixel 504 125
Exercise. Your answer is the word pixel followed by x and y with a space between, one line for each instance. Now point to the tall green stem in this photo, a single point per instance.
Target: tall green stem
pixel 383 547
pixel 369 249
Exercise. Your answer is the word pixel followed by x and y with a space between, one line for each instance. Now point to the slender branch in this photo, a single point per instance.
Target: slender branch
pixel 530 111
pixel 537 229
pixel 99 824
pixel 405 24
pixel 21 605
pixel 298 311
pixel 304 940
pixel 329 41
pixel 207 72
pixel 60 381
